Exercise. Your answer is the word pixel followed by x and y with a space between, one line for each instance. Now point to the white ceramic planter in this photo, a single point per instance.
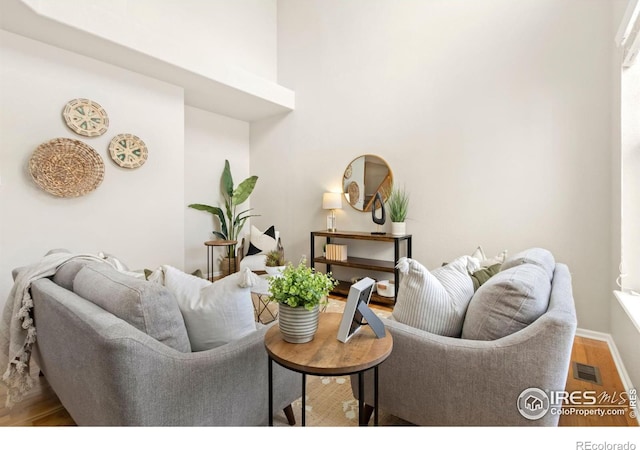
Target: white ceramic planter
pixel 297 325
pixel 274 270
pixel 398 228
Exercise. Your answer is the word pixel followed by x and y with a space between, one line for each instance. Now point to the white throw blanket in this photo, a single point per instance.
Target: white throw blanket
pixel 17 330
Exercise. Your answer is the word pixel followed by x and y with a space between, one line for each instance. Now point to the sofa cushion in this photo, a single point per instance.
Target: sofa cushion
pixel 508 302
pixel 215 313
pixel 149 307
pixel 482 275
pixel 434 301
pixel 261 242
pixel 537 256
pixel 486 261
pixel 66 273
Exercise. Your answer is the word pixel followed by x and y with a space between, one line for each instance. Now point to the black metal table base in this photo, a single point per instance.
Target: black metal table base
pixel 361 412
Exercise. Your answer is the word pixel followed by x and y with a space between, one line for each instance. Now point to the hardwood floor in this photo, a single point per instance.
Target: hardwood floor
pixel 42 408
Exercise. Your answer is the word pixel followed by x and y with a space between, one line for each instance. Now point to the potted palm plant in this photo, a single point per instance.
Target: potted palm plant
pixel 398 204
pixel 299 292
pixel 230 220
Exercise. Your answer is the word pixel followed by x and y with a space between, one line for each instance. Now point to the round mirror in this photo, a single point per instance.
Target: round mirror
pixel 363 177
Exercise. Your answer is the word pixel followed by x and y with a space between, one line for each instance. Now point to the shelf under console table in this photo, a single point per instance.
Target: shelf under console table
pixel 364 263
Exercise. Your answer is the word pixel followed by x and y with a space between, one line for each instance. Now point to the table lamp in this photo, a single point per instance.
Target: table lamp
pixel 332 201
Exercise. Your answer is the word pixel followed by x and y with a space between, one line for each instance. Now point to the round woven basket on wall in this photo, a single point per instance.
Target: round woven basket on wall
pixel 66 167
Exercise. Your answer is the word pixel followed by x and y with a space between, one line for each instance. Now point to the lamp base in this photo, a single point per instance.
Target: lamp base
pixel 331 223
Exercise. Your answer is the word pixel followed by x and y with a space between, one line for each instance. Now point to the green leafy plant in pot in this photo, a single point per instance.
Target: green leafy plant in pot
pixel 231 221
pixel 398 205
pixel 299 292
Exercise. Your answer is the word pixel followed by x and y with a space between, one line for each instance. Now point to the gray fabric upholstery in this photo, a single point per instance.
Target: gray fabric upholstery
pixel 66 273
pixel 437 380
pixel 508 302
pixel 107 372
pixel 538 256
pixel 149 307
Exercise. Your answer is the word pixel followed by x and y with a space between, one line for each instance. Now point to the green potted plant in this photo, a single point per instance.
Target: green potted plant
pixel 231 221
pixel 398 204
pixel 274 262
pixel 299 292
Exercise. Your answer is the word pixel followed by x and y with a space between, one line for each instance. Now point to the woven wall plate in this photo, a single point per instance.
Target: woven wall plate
pixel 66 167
pixel 86 117
pixel 128 151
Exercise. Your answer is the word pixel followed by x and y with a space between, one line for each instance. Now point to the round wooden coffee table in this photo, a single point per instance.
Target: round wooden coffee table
pixel 326 355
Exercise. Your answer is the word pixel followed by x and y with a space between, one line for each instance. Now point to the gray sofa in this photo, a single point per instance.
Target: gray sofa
pixel 437 380
pixel 107 371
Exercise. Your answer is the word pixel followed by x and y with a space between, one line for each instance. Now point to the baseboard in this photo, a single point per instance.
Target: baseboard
pixel 606 337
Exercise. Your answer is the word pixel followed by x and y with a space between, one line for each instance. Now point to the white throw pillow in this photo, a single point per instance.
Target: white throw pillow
pixel 434 301
pixel 222 313
pixel 488 262
pixel 262 242
pixel 214 313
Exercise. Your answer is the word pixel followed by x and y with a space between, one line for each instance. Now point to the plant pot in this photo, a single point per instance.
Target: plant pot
pixel 398 228
pixel 297 325
pixel 274 271
pixel 227 268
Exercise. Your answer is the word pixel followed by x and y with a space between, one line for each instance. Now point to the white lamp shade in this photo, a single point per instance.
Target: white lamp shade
pixel 331 200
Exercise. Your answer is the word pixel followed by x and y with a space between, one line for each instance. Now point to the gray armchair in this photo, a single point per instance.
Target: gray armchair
pixel 435 380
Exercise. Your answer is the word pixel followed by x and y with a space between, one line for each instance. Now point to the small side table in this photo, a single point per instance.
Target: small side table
pixel 210 255
pixel 261 302
pixel 326 355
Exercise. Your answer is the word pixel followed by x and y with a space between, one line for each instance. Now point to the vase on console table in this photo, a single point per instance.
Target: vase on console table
pixel 398 228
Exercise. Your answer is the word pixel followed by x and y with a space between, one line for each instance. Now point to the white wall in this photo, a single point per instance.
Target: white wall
pixel 203 36
pixel 136 214
pixel 209 140
pixel 496 115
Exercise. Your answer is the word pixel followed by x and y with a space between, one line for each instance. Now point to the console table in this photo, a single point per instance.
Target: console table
pixel 325 355
pixel 363 263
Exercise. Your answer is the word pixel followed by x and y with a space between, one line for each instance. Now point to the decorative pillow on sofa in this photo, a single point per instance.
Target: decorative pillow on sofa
pixel 482 275
pixel 485 261
pixel 149 307
pixel 262 243
pixel 538 256
pixel 508 302
pixel 434 301
pixel 219 313
pixel 214 313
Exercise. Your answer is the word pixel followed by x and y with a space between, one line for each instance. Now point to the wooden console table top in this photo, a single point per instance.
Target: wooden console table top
pixel 360 235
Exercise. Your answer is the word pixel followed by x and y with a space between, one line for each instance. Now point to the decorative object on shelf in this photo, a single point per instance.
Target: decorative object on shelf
pixel 332 201
pixel 66 167
pixel 299 292
pixel 274 263
pixel 231 224
pixel 398 203
pixel 336 252
pixel 363 177
pixel 386 288
pixel 128 151
pixel 378 204
pixel 85 117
